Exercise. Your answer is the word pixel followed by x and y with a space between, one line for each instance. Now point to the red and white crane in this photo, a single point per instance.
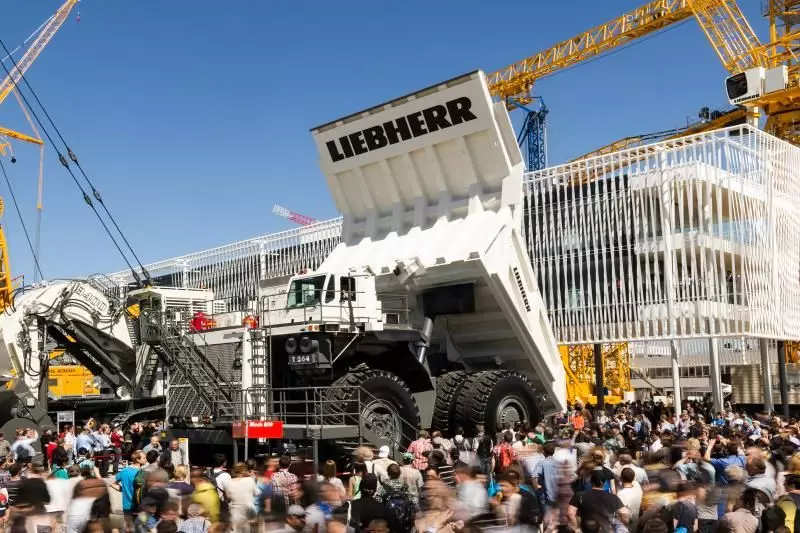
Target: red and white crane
pixel 297 218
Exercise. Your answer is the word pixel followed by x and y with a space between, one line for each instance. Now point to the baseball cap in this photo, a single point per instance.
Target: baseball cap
pixel 383 451
pixel 296 510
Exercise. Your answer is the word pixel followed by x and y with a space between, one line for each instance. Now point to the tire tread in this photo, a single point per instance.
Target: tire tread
pixel 448 388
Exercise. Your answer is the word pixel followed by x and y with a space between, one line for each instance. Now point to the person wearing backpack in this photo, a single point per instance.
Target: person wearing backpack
pixel 393 482
pixel 483 446
pixel 219 478
pixel 462 444
pixel 504 453
pixel 400 510
pixel 219 475
pixel 367 508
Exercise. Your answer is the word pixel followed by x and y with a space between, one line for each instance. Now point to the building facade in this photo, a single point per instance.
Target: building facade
pixel 681 241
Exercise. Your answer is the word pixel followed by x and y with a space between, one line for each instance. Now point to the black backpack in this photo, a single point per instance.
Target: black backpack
pixel 212 478
pixel 484 449
pixel 531 510
pixel 400 510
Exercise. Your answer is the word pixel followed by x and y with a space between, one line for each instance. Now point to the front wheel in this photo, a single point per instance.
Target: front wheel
pixel 387 410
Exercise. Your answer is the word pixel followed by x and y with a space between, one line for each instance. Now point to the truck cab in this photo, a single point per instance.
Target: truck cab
pixel 326 301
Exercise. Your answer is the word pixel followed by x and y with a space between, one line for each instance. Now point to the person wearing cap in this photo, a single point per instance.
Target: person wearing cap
pixel 381 464
pixel 412 478
pixel 295 520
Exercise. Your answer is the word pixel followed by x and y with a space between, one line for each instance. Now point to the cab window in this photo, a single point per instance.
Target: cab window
pixel 305 292
pixel 348 285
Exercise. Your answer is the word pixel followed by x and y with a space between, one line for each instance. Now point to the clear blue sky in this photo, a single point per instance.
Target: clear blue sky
pixel 193 117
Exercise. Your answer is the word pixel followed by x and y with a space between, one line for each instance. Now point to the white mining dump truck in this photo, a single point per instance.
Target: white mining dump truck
pixel 429 304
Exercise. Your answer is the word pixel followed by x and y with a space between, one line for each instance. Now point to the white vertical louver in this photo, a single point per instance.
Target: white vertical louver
pixel 690 238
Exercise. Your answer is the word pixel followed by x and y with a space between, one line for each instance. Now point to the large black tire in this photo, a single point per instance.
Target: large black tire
pixel 447 388
pixel 501 396
pixel 387 406
pixel 460 413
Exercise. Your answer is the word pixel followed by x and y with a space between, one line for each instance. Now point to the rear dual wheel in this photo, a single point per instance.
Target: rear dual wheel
pixel 489 398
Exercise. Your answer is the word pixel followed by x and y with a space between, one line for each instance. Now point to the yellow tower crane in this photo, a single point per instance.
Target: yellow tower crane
pixel 7 86
pixel 739 49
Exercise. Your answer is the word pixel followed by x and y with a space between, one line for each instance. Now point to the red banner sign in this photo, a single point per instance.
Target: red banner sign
pixel 258 429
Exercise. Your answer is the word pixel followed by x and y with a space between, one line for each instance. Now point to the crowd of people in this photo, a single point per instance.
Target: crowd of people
pixel 629 468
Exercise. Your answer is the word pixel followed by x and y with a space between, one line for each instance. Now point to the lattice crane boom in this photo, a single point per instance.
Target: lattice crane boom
pixel 729 33
pixel 33 51
pixel 7 85
pixel 297 218
pixel 516 80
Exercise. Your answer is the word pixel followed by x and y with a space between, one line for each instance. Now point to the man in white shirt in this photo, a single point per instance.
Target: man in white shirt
pixel 656 444
pixel 25 440
pixel 219 474
pixel 631 495
pixel 626 461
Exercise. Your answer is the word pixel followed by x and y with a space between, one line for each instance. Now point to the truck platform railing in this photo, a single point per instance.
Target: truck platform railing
pixel 341 413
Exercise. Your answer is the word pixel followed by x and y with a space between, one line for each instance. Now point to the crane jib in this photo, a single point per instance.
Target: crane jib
pixel 434 118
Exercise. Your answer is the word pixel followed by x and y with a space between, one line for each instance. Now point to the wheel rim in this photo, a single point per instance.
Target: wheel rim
pixel 511 410
pixel 383 420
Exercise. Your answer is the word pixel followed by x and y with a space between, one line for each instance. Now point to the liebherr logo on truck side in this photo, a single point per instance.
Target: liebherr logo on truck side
pixel 401 129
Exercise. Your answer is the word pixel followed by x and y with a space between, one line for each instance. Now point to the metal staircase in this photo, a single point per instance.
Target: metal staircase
pixel 188 365
pixel 147 365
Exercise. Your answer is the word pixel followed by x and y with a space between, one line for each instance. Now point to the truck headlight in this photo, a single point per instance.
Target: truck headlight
pixel 291 345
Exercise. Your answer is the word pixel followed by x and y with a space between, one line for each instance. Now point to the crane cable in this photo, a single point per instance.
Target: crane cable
pixel 21 220
pixel 74 159
pixel 65 163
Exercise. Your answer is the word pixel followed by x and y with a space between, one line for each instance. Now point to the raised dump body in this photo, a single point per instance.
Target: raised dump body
pixel 430 186
pixel 432 271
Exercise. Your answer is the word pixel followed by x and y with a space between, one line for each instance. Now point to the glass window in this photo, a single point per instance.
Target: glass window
pixel 330 290
pixel 348 288
pixel 574 298
pixel 305 292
